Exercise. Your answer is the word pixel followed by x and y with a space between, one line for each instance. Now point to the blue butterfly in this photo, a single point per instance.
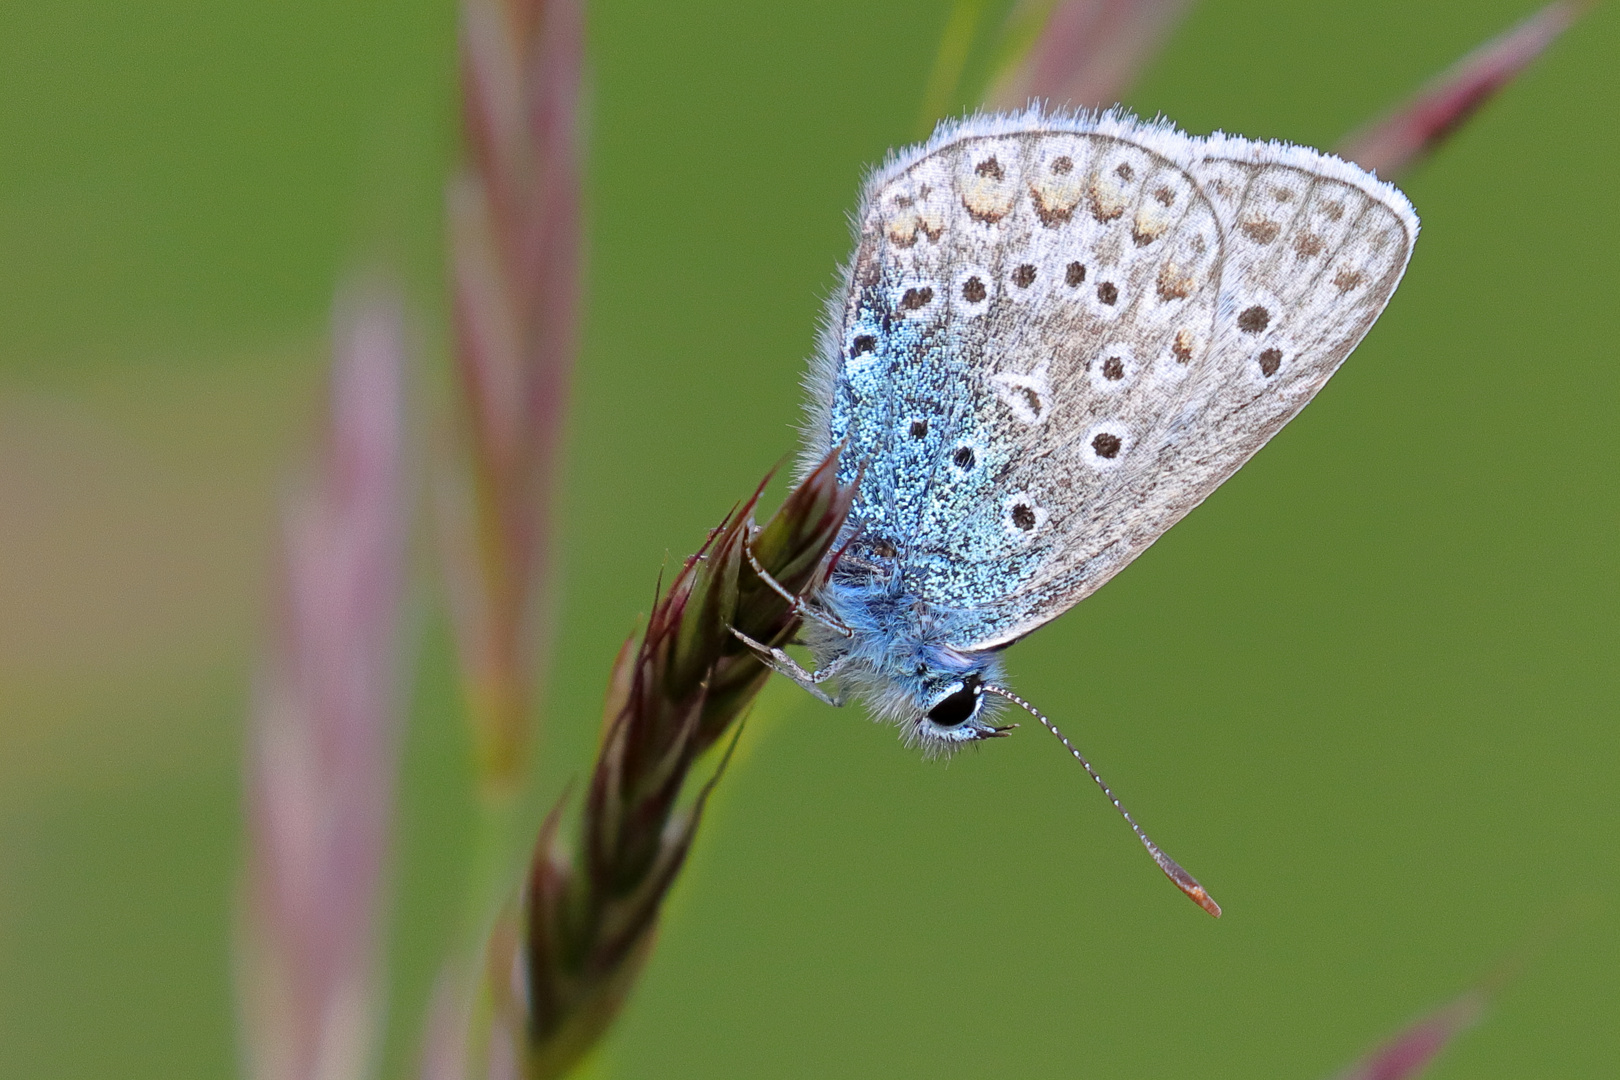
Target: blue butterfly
pixel 1058 334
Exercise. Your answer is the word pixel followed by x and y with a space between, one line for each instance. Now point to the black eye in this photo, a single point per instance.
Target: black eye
pixel 960 706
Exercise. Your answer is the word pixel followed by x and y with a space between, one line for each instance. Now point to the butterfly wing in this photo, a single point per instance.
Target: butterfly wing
pixel 1060 336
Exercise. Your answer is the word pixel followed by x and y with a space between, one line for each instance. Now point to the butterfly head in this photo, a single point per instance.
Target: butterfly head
pixel 955 713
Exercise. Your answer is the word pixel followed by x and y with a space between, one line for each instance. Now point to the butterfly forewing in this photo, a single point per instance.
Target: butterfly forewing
pixel 1058 339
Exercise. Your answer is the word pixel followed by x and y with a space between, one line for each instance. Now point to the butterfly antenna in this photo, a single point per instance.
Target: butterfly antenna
pixel 1172 869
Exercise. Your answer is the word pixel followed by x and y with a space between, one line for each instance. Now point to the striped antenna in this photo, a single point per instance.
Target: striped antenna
pixel 1172 869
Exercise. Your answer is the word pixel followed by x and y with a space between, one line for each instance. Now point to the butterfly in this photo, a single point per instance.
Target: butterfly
pixel 1058 334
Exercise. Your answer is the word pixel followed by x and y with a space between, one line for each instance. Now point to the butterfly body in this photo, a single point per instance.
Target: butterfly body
pixel 900 656
pixel 1057 335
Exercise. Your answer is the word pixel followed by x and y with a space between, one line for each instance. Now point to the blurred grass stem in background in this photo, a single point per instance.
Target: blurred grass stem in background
pixel 324 731
pixel 1399 141
pixel 1409 1052
pixel 945 78
pixel 515 274
pixel 1078 54
pixel 515 243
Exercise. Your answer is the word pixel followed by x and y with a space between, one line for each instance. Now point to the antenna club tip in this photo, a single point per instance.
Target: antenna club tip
pixel 1187 883
pixel 1203 900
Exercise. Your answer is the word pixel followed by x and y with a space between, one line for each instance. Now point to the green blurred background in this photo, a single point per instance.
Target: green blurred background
pixel 1366 693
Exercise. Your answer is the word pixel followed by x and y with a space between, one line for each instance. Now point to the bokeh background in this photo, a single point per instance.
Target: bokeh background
pixel 1367 692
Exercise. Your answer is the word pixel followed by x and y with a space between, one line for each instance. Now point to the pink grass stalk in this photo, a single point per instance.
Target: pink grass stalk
pixel 479 1032
pixel 1412 1050
pixel 323 733
pixel 444 1049
pixel 515 240
pixel 1411 132
pixel 1080 53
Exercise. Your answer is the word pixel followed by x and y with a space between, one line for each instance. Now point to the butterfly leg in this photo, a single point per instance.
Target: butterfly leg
pixel 783 664
pixel 800 608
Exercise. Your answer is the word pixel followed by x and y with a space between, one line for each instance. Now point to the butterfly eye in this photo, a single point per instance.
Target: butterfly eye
pixel 958 707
